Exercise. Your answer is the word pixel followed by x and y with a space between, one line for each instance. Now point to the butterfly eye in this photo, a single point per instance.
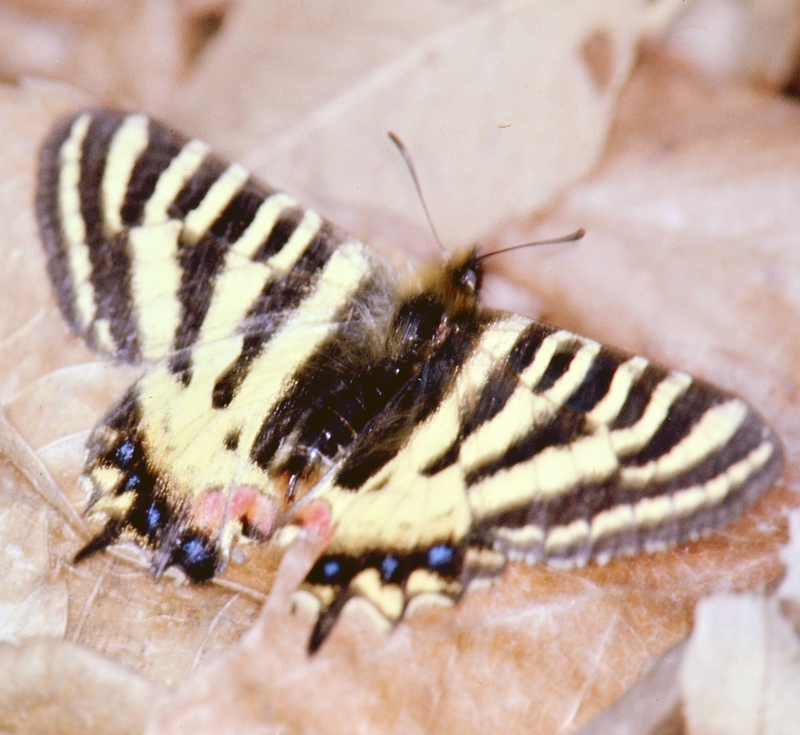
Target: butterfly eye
pixel 469 279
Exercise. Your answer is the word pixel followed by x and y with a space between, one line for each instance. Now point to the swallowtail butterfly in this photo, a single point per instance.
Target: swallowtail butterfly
pixel 291 372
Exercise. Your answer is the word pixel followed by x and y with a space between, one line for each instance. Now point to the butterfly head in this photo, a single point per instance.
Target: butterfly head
pixel 454 285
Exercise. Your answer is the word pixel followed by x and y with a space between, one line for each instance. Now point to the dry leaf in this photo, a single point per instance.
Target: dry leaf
pixel 501 103
pixel 755 39
pixel 50 686
pixel 741 671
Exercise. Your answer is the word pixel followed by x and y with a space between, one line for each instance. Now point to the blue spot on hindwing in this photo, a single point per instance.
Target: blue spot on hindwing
pixel 198 558
pixel 389 565
pixel 153 519
pixel 132 482
pixel 330 570
pixel 125 453
pixel 440 556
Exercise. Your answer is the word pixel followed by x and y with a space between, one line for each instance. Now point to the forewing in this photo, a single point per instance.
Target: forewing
pixel 155 244
pixel 545 446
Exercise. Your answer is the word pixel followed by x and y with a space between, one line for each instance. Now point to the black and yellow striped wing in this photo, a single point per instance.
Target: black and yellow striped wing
pixel 542 446
pixel 288 368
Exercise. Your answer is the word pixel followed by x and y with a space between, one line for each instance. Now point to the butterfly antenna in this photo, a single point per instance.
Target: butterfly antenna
pixel 410 164
pixel 572 237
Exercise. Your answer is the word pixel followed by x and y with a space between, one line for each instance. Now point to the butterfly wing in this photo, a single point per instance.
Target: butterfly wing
pixel 155 245
pixel 235 297
pixel 541 445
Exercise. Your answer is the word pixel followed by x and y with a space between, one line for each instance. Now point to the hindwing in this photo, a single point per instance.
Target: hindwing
pixel 286 365
pixel 543 446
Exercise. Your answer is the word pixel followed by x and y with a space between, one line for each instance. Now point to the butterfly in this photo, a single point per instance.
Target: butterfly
pixel 292 375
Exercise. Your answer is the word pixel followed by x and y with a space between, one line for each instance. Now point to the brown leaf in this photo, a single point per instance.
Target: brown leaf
pixel 501 103
pixel 50 686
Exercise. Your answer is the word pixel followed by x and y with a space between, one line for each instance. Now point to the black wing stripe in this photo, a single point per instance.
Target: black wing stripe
pixel 500 387
pixel 504 380
pixel 391 430
pixel 532 419
pixel 113 146
pixel 527 346
pixel 275 305
pixel 685 413
pixel 163 148
pixel 686 470
pixel 510 421
pixel 312 246
pixel 240 212
pixel 280 234
pixel 224 189
pixel 565 452
pixel 242 295
pixel 597 381
pixel 710 434
pixel 195 189
pixel 171 179
pixel 626 376
pixel 115 324
pixel 558 366
pixel 598 521
pixel 530 422
pixel 94 159
pixel 200 267
pixel 654 521
pixel 221 286
pixel 64 229
pixel 59 173
pixel 638 398
pixel 585 502
pixel 126 146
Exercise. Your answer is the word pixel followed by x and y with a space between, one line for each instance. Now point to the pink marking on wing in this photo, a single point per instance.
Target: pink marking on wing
pixel 254 508
pixel 208 511
pixel 315 516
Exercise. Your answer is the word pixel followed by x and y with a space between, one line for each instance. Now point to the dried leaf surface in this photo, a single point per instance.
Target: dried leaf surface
pixel 51 686
pixel 502 102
